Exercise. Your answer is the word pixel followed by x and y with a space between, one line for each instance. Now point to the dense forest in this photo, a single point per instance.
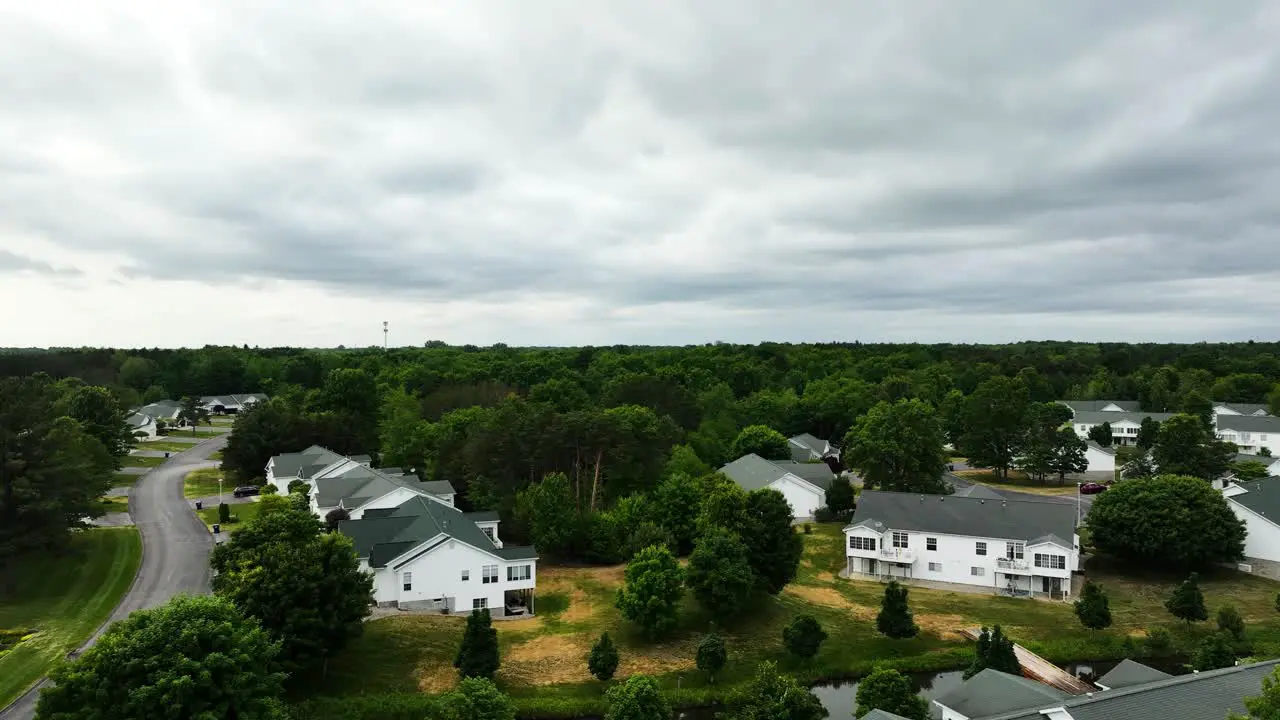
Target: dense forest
pixel 617 420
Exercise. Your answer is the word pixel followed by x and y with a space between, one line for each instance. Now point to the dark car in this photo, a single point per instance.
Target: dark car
pixel 1092 488
pixel 245 491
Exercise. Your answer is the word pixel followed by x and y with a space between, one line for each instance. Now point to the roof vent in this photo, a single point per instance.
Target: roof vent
pixel 982 501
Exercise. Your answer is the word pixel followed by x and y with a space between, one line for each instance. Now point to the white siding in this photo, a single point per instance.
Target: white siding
pixel 393 499
pixel 949 714
pixel 1100 461
pixel 1263 540
pixel 438 574
pixel 803 497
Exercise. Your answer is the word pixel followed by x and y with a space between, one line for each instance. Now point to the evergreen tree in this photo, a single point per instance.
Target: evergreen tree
pixel 803 636
pixel 892 692
pixel 982 651
pixel 994 651
pixel 1093 608
pixel 1214 652
pixel 1101 434
pixel 774 548
pixel 603 660
pixel 478 653
pixel 1229 621
pixel 840 496
pixel 771 694
pixel 1187 602
pixel 719 573
pixel 712 655
pixel 895 619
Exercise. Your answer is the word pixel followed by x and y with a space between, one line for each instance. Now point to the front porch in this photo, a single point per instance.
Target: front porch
pixel 515 604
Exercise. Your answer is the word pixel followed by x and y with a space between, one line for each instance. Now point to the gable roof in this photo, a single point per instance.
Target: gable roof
pixel 1246 457
pixel 164 409
pixel 806 447
pixel 1207 695
pixel 1129 673
pixel 1260 496
pixel 385 535
pixel 879 714
pixel 1026 520
pixel 752 472
pixel 1093 445
pixel 992 692
pixel 1097 405
pixel 1244 408
pixel 139 420
pixel 1249 423
pixel 293 464
pixel 1097 417
pixel 237 399
pixel 978 491
pixel 359 484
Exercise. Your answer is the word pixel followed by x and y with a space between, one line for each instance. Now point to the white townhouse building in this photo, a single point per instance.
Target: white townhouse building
pixel 1100 459
pixel 231 404
pixel 1124 424
pixel 1250 433
pixel 1224 408
pixel 1256 503
pixel 803 484
pixel 142 426
pixel 1017 547
pixel 307 464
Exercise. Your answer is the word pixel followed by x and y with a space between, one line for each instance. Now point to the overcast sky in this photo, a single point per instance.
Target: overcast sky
pixel 554 173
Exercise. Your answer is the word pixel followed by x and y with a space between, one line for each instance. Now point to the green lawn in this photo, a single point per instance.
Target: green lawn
pixel 121 479
pixel 240 514
pixel 137 461
pixel 204 482
pixel 543 658
pixel 222 420
pixel 165 445
pixel 115 504
pixel 63 598
pixel 216 456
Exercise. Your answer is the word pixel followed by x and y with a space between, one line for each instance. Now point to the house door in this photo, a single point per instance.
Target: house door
pixel 1052 586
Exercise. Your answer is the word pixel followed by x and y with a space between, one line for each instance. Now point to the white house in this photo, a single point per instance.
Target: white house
pixel 1272 464
pixel 1250 433
pixel 167 410
pixel 1018 547
pixel 142 426
pixel 1124 424
pixel 1102 405
pixel 1224 408
pixel 425 554
pixel 808 448
pixel 1257 504
pixel 1100 459
pixel 307 464
pixel 1137 692
pixel 231 404
pixel 804 485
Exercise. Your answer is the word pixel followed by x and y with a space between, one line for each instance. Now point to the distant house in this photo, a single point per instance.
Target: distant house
pixel 1250 433
pixel 1272 464
pixel 167 410
pixel 1257 503
pixel 285 468
pixel 1124 424
pixel 804 485
pixel 1134 692
pixel 143 426
pixel 1223 408
pixel 1100 459
pixel 1102 405
pixel 230 404
pixel 1018 547
pixel 807 448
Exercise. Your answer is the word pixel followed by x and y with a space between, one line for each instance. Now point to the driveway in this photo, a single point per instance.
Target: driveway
pixel 175 548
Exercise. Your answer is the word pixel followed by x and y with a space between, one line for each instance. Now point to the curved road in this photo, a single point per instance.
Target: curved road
pixel 175 548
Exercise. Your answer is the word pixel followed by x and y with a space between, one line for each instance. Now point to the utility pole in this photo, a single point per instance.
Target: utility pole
pixel 384 334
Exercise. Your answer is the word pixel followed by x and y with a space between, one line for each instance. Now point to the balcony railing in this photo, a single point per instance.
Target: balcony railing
pixel 900 555
pixel 1012 564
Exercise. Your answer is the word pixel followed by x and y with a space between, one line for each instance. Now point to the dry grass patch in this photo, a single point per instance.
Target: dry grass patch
pixel 829 597
pixel 947 627
pixel 547 660
pixel 581 607
pixel 672 656
pixel 435 679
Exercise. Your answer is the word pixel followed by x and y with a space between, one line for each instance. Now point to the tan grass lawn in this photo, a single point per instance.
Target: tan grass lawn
pixel 1020 482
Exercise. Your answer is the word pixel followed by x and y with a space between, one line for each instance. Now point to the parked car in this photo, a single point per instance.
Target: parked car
pixel 1092 488
pixel 245 491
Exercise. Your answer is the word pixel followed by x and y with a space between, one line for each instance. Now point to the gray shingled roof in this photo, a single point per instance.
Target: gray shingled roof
pixel 359 484
pixel 292 464
pixel 882 715
pixel 1246 457
pixel 978 491
pixel 1245 408
pixel 482 516
pixel 164 409
pixel 139 420
pixel 1097 418
pixel 1129 673
pixel 1201 696
pixel 383 536
pixel 1097 405
pixel 1099 448
pixel 992 692
pixel 806 447
pixel 1249 423
pixel 1261 496
pixel 752 472
pixel 435 487
pixel 1026 520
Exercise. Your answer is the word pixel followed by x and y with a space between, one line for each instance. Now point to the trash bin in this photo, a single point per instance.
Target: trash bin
pixel 199 504
pixel 217 528
pixel 166 453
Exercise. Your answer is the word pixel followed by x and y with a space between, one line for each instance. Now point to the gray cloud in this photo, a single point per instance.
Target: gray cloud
pixel 837 162
pixel 15 263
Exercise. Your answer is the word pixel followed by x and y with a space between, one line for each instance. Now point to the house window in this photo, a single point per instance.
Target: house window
pixel 407 579
pixel 466 575
pixel 1244 437
pixel 489 574
pixel 931 544
pixel 899 539
pixel 861 543
pixel 1015 550
pixel 1053 562
pixel 1262 437
pixel 488 532
pixel 519 572
pixel 977 571
pixel 935 567
pixel 480 604
pixel 980 548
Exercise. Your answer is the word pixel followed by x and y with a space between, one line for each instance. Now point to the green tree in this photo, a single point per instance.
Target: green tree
pixel 477 698
pixel 772 695
pixel 719 574
pixel 889 690
pixel 684 461
pixel 1159 642
pixel 548 510
pixel 803 636
pixel 895 619
pixel 1265 706
pixel 1187 602
pixel 840 496
pixel 1148 432
pixel 637 699
pixel 1249 470
pixel 100 415
pixel 1093 608
pixel 761 440
pixel 712 655
pixel 650 595
pixel 995 424
pixel 193 413
pixel 224 513
pixel 1069 455
pixel 404 436
pixel 994 651
pixel 335 517
pixel 195 657
pixel 309 592
pixel 674 504
pixel 266 429
pixel 1214 652
pixel 1101 434
pixel 603 659
pixel 1167 522
pixel 138 373
pixel 478 653
pixel 773 547
pixel 898 446
pixel 723 505
pixel 1186 446
pixel 1229 621
pixel 1043 444
pixel 1199 406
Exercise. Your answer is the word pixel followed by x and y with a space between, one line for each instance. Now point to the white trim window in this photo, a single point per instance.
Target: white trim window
pixel 489 574
pixel 931 544
pixel 519 572
pixel 899 539
pixel 480 603
pixel 980 548
pixel 935 567
pixel 862 543
pixel 1052 562
pixel 1015 550
pixel 977 571
pixel 406 580
pixel 488 532
pixel 466 575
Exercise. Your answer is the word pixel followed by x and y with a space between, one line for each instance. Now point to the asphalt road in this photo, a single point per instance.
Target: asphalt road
pixel 175 548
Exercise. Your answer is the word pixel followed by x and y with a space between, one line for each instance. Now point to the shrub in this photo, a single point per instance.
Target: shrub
pixel 712 655
pixel 224 513
pixel 1229 621
pixel 1159 642
pixel 803 636
pixel 824 515
pixel 808 529
pixel 603 660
